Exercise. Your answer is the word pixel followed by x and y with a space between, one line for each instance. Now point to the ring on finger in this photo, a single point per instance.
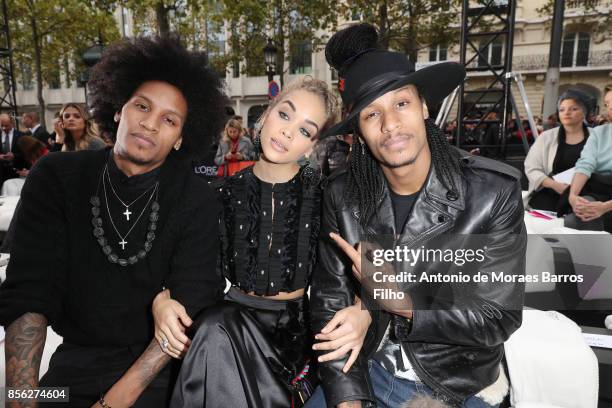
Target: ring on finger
pixel 164 344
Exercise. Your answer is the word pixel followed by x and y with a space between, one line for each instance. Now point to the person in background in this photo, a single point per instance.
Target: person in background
pixel 539 124
pixel 11 157
pixel 451 131
pixel 332 153
pixel 75 131
pixel 551 122
pixel 590 194
pixel 31 121
pixel 555 151
pixel 33 149
pixel 233 146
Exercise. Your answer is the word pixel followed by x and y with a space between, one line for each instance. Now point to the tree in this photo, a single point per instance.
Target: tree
pixel 585 13
pixel 287 22
pixel 153 15
pixel 47 35
pixel 409 25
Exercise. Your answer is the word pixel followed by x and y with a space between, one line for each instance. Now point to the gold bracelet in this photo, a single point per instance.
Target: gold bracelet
pixel 103 403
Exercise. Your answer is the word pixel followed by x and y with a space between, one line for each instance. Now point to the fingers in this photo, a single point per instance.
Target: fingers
pixel 335 355
pixel 356 272
pixel 178 338
pixel 169 342
pixel 163 344
pixel 352 359
pixel 183 316
pixel 169 349
pixel 335 321
pixel 337 333
pixel 346 247
pixel 335 344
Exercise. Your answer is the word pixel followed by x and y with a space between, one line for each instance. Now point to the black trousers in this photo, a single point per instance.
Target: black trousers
pixel 89 372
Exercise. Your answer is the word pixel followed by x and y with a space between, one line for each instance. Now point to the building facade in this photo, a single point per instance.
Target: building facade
pixel 586 63
pixel 586 54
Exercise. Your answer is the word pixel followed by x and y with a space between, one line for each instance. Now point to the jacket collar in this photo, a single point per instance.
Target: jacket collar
pixel 432 211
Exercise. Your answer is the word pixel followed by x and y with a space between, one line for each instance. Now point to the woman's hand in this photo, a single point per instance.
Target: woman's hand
pixel 58 126
pixel 345 332
pixel 559 187
pixel 171 322
pixel 591 210
pixel 579 205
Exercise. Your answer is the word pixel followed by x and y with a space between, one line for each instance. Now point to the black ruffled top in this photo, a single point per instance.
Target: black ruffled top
pixel 269 232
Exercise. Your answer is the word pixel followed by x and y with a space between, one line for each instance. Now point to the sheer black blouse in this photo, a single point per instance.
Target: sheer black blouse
pixel 268 232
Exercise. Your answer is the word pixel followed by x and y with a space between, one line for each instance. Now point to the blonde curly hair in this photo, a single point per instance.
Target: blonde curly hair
pixel 314 86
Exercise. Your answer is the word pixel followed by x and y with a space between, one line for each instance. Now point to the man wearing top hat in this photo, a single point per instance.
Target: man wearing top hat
pixel 406 182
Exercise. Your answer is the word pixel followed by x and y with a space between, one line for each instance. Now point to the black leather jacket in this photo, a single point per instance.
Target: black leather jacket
pixel 456 351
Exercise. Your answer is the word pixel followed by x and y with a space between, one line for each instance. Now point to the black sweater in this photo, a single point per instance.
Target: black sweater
pixel 58 269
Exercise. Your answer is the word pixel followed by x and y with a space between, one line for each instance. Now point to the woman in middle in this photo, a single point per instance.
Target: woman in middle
pixel 253 349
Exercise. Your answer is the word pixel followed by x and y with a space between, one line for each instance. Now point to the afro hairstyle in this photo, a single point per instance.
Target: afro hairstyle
pixel 126 65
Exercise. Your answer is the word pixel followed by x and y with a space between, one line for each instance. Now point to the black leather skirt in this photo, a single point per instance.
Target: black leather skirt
pixel 247 352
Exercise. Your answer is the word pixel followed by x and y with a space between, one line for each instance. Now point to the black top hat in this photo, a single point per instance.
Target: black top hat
pixel 374 72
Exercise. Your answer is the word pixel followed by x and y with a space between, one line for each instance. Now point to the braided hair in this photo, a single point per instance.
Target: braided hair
pixel 365 184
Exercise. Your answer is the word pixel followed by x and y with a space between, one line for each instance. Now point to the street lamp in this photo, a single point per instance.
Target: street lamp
pixel 270 59
pixel 90 57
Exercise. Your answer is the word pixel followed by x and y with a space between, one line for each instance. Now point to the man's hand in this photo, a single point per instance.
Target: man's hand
pixel 59 131
pixel 401 307
pixel 171 322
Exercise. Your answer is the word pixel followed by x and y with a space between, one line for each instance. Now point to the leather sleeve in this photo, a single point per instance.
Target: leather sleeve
pixel 332 290
pixel 484 314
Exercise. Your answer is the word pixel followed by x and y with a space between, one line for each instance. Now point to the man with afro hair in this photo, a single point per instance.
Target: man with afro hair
pixel 99 233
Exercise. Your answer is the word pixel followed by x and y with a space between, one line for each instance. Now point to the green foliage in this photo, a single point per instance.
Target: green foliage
pixel 409 25
pixel 592 15
pixel 287 22
pixel 60 29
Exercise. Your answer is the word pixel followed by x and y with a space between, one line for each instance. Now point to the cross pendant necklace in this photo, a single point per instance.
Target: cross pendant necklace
pixel 127 211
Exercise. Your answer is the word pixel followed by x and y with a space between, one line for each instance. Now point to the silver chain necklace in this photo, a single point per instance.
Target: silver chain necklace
pixel 123 242
pixel 127 212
